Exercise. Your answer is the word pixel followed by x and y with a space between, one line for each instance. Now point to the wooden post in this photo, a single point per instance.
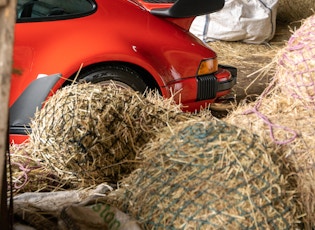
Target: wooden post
pixel 7 21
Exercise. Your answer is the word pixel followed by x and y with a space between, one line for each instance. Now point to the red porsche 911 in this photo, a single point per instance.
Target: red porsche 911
pixel 138 44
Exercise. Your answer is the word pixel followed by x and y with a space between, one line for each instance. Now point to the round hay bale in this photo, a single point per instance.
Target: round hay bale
pixel 291 11
pixel 287 122
pixel 284 114
pixel 207 175
pixel 92 133
pixel 296 63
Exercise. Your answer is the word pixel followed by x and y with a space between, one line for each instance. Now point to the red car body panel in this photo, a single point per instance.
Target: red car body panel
pixel 39 44
pixel 149 6
pixel 117 31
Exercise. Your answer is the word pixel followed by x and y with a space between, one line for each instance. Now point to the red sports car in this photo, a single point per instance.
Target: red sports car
pixel 136 43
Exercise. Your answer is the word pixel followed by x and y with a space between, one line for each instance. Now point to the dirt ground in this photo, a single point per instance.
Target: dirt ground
pixel 254 63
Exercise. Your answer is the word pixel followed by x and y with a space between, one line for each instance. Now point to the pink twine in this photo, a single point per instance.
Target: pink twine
pixel 302 44
pixel 269 123
pixel 25 171
pixel 300 80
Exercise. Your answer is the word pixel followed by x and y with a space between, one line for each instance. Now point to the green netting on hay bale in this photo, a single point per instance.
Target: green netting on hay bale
pixel 92 133
pixel 296 63
pixel 207 175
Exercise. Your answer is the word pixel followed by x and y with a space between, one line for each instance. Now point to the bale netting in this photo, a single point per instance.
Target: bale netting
pixel 296 64
pixel 291 11
pixel 92 133
pixel 207 175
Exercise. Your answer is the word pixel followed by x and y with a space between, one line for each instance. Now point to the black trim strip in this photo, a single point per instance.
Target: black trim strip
pixel 189 8
pixel 57 17
pixel 226 85
pixel 32 98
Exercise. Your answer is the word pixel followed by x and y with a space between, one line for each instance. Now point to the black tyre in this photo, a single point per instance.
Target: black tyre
pixel 122 76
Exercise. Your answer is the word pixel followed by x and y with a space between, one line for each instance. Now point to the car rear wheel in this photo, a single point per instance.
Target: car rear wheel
pixel 122 76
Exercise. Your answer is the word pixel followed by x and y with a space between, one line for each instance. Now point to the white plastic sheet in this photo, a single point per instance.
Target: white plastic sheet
pixel 251 21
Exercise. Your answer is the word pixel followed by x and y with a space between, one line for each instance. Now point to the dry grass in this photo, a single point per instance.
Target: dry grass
pixel 236 53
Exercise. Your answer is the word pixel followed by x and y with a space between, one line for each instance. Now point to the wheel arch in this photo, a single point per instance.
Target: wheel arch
pixel 145 75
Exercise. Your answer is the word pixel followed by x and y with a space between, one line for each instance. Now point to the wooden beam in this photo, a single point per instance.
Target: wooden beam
pixel 7 21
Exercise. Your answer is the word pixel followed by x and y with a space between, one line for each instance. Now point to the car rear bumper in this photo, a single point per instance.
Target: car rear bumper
pixel 208 86
pixel 230 83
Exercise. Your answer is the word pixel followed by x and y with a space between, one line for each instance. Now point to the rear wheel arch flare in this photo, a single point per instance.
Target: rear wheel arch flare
pixel 132 75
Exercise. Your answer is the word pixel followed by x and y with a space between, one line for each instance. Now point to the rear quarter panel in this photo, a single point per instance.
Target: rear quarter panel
pixel 118 31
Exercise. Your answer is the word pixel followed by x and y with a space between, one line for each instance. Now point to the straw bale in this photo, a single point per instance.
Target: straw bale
pixel 284 114
pixel 296 63
pixel 285 121
pixel 290 11
pixel 92 133
pixel 207 175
